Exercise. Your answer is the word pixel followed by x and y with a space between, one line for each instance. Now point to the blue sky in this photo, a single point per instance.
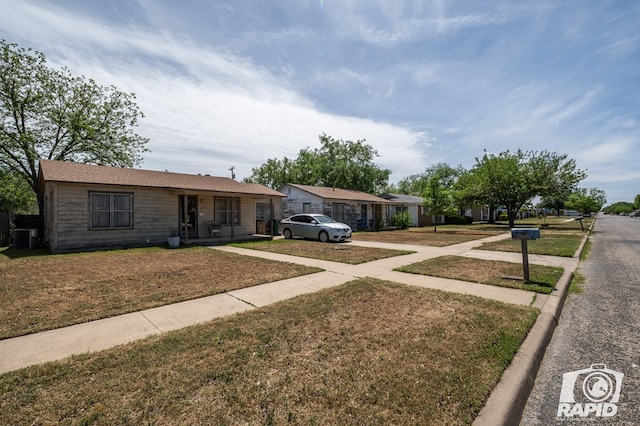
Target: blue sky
pixel 233 83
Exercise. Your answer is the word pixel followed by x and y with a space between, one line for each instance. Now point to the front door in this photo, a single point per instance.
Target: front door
pixel 377 217
pixel 364 221
pixel 190 207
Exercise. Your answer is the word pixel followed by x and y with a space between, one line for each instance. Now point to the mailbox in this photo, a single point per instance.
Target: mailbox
pixel 525 233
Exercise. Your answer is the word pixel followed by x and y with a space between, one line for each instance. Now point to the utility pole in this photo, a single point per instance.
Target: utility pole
pixel 233 175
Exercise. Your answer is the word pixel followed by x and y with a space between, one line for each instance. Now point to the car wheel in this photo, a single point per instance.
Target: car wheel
pixel 287 234
pixel 323 236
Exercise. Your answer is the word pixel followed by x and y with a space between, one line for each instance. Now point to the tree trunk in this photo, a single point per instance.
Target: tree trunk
pixel 512 218
pixel 492 214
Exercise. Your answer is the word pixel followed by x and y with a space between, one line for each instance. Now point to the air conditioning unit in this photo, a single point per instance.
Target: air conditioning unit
pixel 25 238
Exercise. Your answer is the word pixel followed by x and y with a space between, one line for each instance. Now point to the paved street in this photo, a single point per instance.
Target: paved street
pixel 600 326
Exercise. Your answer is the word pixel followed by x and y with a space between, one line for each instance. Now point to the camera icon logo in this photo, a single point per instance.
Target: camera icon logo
pixel 591 391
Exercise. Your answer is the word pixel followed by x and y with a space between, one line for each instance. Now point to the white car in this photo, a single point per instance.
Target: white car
pixel 315 226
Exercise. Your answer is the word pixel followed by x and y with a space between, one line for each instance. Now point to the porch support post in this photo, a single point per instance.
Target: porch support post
pixel 185 217
pixel 233 215
pixel 272 217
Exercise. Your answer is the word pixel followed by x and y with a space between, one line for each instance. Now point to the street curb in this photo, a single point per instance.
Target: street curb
pixel 508 399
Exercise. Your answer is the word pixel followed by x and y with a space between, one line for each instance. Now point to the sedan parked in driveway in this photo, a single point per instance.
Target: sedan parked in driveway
pixel 316 226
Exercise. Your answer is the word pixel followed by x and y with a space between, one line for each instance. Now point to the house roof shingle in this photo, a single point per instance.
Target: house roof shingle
pixel 402 198
pixel 340 194
pixel 63 171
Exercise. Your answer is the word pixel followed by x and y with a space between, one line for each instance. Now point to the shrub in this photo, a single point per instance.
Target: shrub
pixel 458 220
pixel 401 220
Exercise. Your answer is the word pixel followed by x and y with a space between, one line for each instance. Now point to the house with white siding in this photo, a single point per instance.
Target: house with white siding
pixel 357 209
pixel 90 207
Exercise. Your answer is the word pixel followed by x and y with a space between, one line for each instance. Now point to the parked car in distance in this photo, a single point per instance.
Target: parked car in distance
pixel 315 226
pixel 572 213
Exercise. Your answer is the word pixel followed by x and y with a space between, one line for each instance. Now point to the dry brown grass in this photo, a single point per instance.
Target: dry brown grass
pixel 45 292
pixel 445 236
pixel 368 352
pixel 335 252
pixel 542 279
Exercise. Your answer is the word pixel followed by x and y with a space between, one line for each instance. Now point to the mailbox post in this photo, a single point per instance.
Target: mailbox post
pixel 524 235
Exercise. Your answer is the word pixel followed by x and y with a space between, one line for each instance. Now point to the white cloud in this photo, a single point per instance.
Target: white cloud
pixel 209 110
pixel 422 82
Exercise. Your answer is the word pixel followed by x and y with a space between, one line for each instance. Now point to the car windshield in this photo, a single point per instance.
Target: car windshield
pixel 323 219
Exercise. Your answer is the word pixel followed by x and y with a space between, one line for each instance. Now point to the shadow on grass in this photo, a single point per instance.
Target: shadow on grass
pixel 11 253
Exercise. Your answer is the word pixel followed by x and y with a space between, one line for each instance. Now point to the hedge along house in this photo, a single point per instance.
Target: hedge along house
pixel 91 207
pixel 357 209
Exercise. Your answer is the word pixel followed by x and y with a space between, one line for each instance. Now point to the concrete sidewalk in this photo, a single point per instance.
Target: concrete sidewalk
pixel 93 336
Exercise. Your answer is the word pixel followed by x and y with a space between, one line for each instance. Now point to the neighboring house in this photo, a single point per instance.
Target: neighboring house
pixel 88 206
pixel 355 208
pixel 409 203
pixel 480 214
pixel 413 204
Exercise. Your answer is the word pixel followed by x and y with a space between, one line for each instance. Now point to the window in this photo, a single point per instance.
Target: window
pixel 227 208
pixel 301 219
pixel 111 210
pixel 306 207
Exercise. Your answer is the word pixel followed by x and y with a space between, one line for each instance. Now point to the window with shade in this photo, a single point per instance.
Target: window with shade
pixel 111 210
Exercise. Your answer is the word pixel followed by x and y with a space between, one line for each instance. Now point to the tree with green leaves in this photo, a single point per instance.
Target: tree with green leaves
pixel 417 183
pixel 413 184
pixel 16 195
pixel 48 113
pixel 556 203
pixel 514 179
pixel 586 200
pixel 619 207
pixel 636 201
pixel 439 193
pixel 337 163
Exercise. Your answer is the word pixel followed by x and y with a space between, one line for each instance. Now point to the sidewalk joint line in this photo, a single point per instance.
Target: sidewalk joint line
pixel 150 322
pixel 241 300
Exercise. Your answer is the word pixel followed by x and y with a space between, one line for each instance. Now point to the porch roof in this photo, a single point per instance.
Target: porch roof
pixel 63 171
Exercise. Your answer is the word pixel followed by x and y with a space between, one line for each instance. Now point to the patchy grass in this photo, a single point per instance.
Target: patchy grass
pixel 586 250
pixel 577 283
pixel 335 252
pixel 368 352
pixel 49 291
pixel 542 278
pixel 550 243
pixel 425 236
